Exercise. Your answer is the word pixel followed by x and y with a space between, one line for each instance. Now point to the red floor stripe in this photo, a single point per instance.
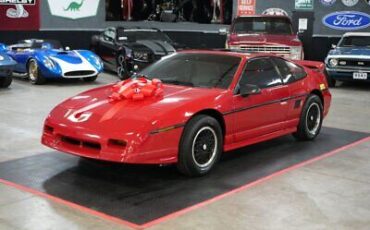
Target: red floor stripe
pixel 185 210
pixel 70 204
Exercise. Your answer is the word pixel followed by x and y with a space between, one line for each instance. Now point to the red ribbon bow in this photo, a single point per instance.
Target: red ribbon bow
pixel 136 89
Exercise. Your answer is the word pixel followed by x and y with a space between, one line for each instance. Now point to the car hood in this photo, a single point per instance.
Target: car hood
pixel 176 104
pixel 157 47
pixel 71 57
pixel 355 51
pixel 264 39
pixel 6 60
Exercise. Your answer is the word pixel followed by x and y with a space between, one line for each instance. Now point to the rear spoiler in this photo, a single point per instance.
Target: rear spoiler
pixel 314 65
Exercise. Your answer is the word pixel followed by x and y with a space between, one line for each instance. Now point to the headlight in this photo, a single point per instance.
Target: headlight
pixel 296 52
pixel 49 63
pixel 140 55
pixel 333 62
pixel 1 58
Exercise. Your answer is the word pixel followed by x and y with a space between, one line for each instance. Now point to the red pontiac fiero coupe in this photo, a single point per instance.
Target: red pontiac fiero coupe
pixel 191 106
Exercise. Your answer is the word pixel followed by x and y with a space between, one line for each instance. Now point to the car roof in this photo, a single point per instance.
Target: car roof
pixel 263 16
pixel 132 29
pixel 367 34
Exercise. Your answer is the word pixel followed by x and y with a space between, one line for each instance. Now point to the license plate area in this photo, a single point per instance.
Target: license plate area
pixel 359 75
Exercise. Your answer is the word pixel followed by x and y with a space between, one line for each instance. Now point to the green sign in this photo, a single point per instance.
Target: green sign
pixel 304 4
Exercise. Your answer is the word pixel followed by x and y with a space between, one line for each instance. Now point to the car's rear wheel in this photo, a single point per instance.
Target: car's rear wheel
pixel 5 82
pixel 200 146
pixel 90 79
pixel 311 119
pixel 122 71
pixel 34 73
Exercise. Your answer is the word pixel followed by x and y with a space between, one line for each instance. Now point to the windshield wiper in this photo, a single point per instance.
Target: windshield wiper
pixel 177 82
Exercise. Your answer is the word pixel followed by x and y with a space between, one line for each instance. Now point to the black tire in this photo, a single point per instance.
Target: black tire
pixel 122 70
pixel 34 73
pixel 200 147
pixel 331 81
pixel 5 82
pixel 311 119
pixel 90 79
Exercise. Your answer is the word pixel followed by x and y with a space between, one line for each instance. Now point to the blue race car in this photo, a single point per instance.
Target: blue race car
pixel 350 59
pixel 7 65
pixel 40 60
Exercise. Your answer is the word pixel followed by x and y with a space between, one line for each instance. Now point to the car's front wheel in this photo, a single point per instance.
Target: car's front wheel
pixel 200 146
pixel 5 82
pixel 34 73
pixel 311 119
pixel 90 79
pixel 122 71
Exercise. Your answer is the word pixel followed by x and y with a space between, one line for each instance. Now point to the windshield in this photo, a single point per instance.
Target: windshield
pixel 194 70
pixel 355 41
pixel 134 35
pixel 38 43
pixel 262 25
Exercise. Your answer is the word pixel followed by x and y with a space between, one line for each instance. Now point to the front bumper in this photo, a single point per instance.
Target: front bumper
pixel 346 74
pixel 160 148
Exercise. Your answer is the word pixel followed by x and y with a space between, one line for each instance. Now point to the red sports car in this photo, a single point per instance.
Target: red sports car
pixel 190 107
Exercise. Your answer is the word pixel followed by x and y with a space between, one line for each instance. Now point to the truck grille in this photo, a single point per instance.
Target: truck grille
pixel 354 63
pixel 266 49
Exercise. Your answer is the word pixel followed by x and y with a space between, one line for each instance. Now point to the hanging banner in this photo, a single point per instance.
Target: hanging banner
pixel 246 7
pixel 19 15
pixel 73 9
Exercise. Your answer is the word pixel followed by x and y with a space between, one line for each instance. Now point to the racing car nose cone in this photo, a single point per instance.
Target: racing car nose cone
pixel 204 147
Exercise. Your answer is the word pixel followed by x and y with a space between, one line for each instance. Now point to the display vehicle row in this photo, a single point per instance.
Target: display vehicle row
pixel 39 60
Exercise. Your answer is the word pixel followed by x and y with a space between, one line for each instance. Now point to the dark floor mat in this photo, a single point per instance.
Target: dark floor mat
pixel 140 194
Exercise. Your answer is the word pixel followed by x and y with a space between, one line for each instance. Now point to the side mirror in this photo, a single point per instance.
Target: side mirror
pixel 222 31
pixel 249 89
pixel 333 46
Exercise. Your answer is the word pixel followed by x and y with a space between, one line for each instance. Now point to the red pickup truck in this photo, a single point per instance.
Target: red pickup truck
pixel 265 34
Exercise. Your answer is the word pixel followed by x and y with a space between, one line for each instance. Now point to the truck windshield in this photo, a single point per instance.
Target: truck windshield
pixel 266 25
pixel 355 41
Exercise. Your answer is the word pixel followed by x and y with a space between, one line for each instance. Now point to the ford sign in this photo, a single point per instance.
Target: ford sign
pixel 347 20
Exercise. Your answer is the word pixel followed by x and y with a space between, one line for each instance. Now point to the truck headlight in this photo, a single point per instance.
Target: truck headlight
pixel 333 62
pixel 296 52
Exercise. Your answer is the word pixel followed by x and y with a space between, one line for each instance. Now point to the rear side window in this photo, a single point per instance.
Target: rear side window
pixel 261 72
pixel 289 71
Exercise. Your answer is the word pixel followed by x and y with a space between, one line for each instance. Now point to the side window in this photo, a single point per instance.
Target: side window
pixel 260 72
pixel 297 71
pixel 289 71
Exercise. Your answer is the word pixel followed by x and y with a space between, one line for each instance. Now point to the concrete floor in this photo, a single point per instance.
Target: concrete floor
pixel 333 193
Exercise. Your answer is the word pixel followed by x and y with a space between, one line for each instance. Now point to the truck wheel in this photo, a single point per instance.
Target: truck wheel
pixel 34 73
pixel 311 119
pixel 200 146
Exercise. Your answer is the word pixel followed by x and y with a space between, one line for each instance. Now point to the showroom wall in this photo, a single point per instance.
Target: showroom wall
pixel 57 19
